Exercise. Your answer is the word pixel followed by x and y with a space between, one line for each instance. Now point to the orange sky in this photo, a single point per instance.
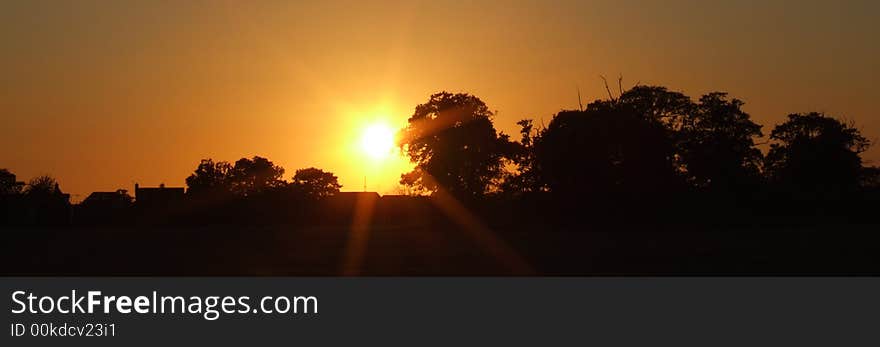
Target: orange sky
pixel 102 94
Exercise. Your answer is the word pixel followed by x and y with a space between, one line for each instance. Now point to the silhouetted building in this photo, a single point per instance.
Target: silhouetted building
pixel 397 210
pixel 103 208
pixel 158 205
pixel 341 207
pixel 350 198
pixel 403 210
pixel 158 196
pixel 107 200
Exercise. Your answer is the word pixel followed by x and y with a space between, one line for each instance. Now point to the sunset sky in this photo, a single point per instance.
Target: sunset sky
pixel 103 94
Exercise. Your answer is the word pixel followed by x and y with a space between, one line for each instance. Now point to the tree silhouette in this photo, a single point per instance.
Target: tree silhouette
pixel 8 183
pixel 42 186
pixel 253 176
pixel 716 143
pixel 816 155
pixel 416 183
pixel 525 176
pixel 43 202
pixel 659 105
pixel 210 178
pixel 608 148
pixel 454 145
pixel 655 103
pixel 315 183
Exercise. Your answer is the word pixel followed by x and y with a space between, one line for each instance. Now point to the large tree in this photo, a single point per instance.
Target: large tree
pixel 657 104
pixel 454 145
pixel 816 155
pixel 607 149
pixel 716 143
pixel 315 183
pixel 209 178
pixel 253 176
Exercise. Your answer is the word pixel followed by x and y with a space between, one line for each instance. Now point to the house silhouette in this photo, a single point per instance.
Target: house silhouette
pixel 158 196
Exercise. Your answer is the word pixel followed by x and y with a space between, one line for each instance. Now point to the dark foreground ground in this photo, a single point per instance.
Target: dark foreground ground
pixel 328 251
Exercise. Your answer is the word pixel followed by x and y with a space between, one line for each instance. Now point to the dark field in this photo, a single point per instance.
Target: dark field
pixel 442 251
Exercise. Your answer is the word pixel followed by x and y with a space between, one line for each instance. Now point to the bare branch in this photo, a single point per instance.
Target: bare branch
pixel 580 103
pixel 607 89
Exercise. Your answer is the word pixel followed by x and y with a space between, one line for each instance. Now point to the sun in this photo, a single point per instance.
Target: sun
pixel 377 141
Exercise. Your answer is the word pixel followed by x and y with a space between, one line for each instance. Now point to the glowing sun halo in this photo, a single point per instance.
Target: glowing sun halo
pixel 377 141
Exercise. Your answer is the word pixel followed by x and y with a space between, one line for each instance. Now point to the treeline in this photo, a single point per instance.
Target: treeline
pixel 252 191
pixel 252 177
pixel 217 192
pixel 646 140
pixel 647 154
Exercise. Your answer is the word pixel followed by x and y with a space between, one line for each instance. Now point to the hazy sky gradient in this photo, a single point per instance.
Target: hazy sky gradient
pixel 102 94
